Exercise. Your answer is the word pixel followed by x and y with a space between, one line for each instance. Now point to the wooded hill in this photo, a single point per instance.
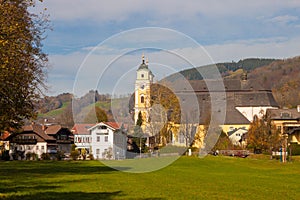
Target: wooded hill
pixel 225 68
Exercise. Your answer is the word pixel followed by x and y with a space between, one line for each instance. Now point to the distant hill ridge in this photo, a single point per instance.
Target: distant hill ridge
pixel 225 68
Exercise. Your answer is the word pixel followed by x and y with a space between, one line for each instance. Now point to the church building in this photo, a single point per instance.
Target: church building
pixel 245 98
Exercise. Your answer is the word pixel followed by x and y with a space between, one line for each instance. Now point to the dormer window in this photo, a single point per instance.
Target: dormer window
pixel 285 115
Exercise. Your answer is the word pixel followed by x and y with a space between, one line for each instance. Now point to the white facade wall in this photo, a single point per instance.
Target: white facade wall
pixel 38 148
pixel 107 139
pixel 250 112
pixel 83 141
pixel 102 139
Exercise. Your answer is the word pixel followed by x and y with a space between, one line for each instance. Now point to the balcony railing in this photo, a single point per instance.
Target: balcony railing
pixel 102 132
pixel 60 141
pixel 24 141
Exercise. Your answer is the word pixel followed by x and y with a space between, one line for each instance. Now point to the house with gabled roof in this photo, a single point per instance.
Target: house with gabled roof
pixel 105 140
pixel 31 139
pixel 237 135
pixel 63 136
pixel 109 141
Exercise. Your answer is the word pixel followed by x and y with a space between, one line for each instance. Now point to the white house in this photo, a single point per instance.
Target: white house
pixel 108 141
pixel 236 135
pixel 82 137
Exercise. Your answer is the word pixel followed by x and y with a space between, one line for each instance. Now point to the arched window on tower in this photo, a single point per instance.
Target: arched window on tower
pixel 142 99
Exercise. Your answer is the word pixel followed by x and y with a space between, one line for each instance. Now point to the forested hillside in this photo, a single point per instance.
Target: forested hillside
pixel 283 77
pixel 225 68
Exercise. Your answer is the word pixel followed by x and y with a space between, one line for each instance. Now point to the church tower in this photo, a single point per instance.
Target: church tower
pixel 144 79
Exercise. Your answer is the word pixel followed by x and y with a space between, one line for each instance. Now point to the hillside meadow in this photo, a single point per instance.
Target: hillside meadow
pixel 187 178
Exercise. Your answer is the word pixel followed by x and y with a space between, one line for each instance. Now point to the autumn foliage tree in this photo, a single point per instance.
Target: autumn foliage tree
pixel 22 62
pixel 96 115
pixel 263 135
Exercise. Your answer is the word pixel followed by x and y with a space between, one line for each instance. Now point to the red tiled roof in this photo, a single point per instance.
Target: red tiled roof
pixel 4 135
pixel 81 129
pixel 53 129
pixel 34 128
pixel 114 125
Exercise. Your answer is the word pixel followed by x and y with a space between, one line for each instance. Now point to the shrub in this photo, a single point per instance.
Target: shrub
pixel 45 156
pixel 5 155
pixel 295 149
pixel 33 156
pixel 28 155
pixel 74 154
pixel 91 157
pixel 60 155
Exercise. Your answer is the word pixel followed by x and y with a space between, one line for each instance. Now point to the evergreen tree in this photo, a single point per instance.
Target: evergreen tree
pixel 139 121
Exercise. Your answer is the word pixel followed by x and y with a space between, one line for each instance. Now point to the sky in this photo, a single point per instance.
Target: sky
pixel 97 44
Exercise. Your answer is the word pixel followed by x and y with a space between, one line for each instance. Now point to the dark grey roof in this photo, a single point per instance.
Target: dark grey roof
pixel 143 66
pixel 283 114
pixel 238 93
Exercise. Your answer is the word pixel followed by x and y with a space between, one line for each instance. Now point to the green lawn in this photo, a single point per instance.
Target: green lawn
pixel 187 178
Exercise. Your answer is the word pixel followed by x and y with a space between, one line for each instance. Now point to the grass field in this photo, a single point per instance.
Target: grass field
pixel 187 178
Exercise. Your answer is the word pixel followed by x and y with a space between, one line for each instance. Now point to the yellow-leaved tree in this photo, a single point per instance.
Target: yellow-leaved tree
pixel 22 61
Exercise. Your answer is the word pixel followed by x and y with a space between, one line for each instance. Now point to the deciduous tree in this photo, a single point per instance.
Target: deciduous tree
pixel 263 134
pixel 22 61
pixel 96 115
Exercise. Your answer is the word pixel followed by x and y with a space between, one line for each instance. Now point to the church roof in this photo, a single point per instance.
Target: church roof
pixel 144 66
pixel 236 92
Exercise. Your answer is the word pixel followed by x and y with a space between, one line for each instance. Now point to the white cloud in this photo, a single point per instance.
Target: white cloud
pixel 120 71
pixel 170 10
pixel 283 19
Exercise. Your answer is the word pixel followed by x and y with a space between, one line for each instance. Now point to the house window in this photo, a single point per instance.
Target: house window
pixel 106 138
pixel 102 127
pixel 98 138
pixel 37 147
pixel 43 147
pixel 142 99
pixel 97 151
pixel 28 147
